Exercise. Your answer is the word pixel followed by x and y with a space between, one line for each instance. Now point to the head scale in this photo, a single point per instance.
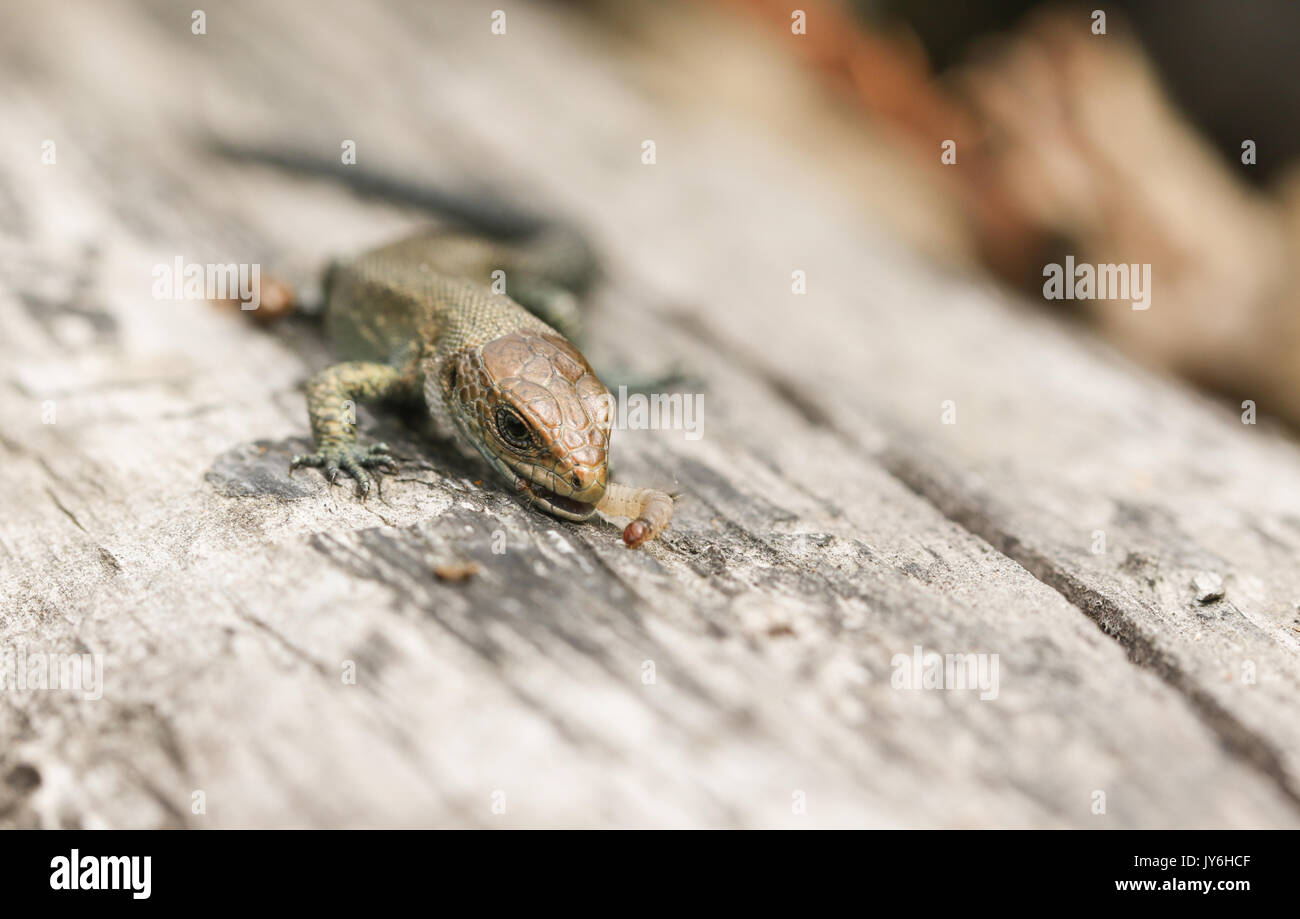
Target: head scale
pixel 534 408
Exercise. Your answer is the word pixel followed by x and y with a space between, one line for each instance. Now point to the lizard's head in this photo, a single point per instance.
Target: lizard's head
pixel 534 408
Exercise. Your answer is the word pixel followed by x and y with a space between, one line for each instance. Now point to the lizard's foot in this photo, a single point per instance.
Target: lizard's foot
pixel 351 459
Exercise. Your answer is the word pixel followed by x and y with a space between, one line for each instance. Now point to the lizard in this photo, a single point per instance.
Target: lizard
pixel 419 319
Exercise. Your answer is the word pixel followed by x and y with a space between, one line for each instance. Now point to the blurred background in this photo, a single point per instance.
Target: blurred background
pixel 1119 139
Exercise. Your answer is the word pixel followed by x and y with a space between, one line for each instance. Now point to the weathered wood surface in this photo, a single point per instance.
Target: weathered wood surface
pixel 829 520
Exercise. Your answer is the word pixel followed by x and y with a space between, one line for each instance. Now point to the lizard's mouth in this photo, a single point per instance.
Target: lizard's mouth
pixel 557 504
pixel 525 477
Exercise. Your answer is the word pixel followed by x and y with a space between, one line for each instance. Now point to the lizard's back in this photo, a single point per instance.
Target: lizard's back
pixel 426 292
pixel 419 316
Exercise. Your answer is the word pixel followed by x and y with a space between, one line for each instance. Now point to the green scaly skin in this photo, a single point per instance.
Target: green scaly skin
pixel 419 319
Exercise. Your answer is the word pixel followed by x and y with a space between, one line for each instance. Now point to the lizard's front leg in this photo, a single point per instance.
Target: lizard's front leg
pixel 332 395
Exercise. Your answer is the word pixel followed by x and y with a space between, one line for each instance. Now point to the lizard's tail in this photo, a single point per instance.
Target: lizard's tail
pixel 481 213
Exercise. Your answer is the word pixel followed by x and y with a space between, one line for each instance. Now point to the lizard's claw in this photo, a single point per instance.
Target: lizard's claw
pixel 350 459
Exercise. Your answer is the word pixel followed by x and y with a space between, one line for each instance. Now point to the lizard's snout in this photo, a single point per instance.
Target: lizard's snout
pixel 584 478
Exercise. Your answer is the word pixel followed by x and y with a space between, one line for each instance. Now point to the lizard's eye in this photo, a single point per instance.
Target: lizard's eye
pixel 513 429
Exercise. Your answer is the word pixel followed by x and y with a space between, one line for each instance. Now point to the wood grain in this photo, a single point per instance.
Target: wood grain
pixel 828 522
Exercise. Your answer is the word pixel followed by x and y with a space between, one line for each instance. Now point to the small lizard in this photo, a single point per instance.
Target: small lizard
pixel 418 319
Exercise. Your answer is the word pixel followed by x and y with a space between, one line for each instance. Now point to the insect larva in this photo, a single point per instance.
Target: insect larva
pixel 650 509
